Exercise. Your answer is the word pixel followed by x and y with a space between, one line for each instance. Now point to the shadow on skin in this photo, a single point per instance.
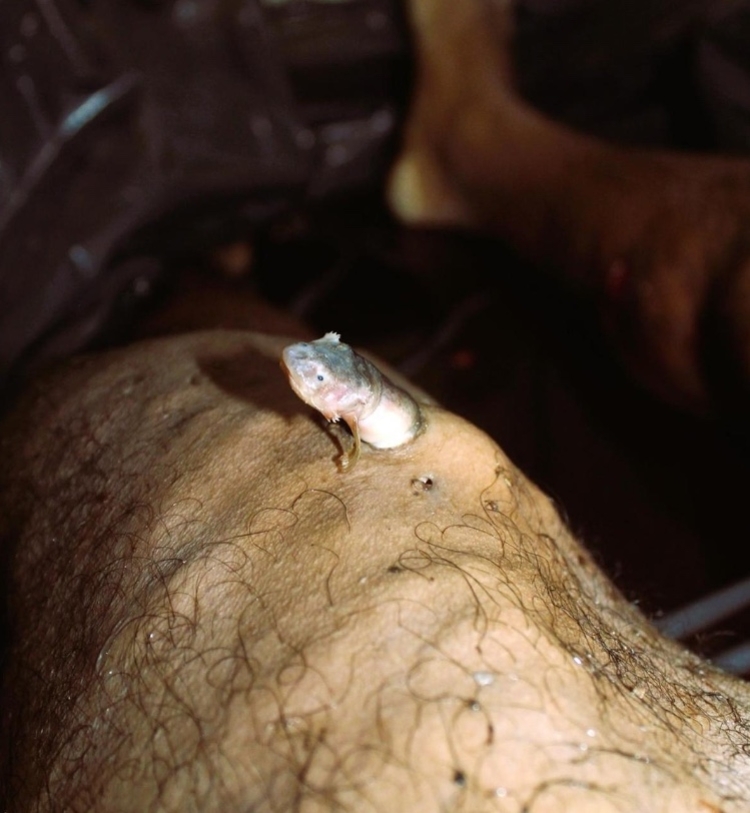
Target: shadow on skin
pixel 208 615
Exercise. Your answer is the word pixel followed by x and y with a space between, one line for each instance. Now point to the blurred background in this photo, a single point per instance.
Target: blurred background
pixel 162 164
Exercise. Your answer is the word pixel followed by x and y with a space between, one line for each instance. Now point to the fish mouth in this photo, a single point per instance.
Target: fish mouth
pixel 286 361
pixel 290 365
pixel 287 366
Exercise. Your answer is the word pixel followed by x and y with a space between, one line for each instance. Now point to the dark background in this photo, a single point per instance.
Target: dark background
pixel 659 496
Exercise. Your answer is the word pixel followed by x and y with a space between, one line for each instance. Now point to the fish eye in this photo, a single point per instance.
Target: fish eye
pixel 320 377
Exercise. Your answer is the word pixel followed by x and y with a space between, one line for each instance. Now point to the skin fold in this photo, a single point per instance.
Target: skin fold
pixel 209 615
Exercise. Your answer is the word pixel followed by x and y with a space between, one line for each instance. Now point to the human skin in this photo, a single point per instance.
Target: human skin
pixel 657 240
pixel 208 614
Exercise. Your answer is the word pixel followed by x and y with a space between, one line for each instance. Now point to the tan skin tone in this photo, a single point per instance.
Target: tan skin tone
pixel 209 615
pixel 212 616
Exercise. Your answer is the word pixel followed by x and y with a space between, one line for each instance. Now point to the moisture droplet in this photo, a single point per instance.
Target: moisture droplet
pixel 577 661
pixel 590 732
pixel 483 678
pixel 583 747
pixel 291 723
pixel 474 706
pixel 501 793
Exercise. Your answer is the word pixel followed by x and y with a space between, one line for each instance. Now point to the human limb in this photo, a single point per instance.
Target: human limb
pixel 209 615
pixel 656 238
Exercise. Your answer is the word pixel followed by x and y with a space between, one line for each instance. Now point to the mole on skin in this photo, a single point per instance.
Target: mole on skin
pixel 342 385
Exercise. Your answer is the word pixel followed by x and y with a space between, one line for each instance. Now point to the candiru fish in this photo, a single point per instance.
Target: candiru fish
pixel 342 385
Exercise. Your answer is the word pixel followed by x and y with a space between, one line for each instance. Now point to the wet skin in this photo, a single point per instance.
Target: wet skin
pixel 210 615
pixel 207 614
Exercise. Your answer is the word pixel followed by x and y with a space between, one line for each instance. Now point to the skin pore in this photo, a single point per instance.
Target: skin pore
pixel 209 615
pixel 206 614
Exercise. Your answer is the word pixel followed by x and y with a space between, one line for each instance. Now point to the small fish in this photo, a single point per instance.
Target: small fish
pixel 342 385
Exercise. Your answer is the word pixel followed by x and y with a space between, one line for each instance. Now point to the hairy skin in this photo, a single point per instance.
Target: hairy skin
pixel 208 615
